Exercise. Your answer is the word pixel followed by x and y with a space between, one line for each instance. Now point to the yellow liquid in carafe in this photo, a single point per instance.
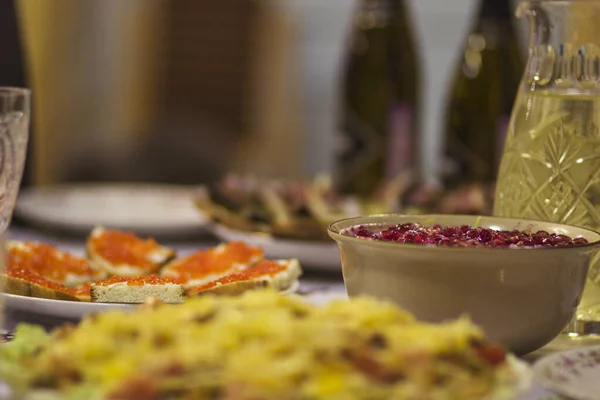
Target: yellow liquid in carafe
pixel 550 169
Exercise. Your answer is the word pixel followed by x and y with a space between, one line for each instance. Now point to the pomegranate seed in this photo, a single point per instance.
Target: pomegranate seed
pixel 405 227
pixel 498 243
pixel 464 236
pixel 362 232
pixel 451 231
pixel 445 242
pixel 472 233
pixel 390 234
pixel 417 239
pixel 485 236
pixel 538 240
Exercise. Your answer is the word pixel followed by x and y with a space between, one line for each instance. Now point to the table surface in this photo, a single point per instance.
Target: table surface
pixel 319 283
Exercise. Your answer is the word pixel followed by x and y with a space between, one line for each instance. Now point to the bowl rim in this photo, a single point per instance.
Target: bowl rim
pixel 336 235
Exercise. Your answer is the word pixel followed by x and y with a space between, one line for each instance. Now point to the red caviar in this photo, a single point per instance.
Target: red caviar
pixel 265 268
pixel 47 261
pixel 124 248
pixel 215 260
pixel 81 292
pixel 35 278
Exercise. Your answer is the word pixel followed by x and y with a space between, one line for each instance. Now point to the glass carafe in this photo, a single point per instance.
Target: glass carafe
pixel 550 168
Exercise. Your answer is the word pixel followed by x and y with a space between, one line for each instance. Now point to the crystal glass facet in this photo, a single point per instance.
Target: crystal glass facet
pixel 15 104
pixel 550 168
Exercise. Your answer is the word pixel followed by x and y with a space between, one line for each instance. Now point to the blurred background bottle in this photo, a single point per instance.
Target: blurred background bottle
pixel 481 96
pixel 379 106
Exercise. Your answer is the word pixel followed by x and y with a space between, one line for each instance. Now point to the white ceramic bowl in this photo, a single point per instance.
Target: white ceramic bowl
pixel 522 298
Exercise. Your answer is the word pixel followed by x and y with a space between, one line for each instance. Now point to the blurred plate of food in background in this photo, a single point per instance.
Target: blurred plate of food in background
pixel 283 217
pixel 291 217
pixel 146 208
pixel 292 210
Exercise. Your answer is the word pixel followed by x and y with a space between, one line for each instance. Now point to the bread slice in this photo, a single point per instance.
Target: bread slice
pixel 53 291
pixel 25 282
pixel 208 265
pixel 51 263
pixel 136 290
pixel 124 254
pixel 82 292
pixel 221 288
pixel 14 285
pixel 275 274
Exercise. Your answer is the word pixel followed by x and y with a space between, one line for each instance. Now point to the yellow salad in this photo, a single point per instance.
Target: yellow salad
pixel 259 346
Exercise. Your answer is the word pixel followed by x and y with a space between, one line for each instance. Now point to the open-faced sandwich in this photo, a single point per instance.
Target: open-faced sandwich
pixel 41 270
pixel 275 274
pixel 207 265
pixel 137 290
pixel 125 254
pixel 50 263
pixel 261 345
pixel 123 268
pixel 24 282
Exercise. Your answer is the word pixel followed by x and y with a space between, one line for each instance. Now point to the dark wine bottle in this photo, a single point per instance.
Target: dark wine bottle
pixel 482 96
pixel 379 106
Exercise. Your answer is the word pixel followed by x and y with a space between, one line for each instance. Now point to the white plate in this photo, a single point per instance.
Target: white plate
pixel 57 308
pixel 313 254
pixel 146 209
pixel 516 385
pixel 73 309
pixel 573 373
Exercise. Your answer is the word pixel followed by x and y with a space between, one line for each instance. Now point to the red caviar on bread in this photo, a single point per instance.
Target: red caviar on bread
pixel 125 254
pixel 210 264
pixel 51 263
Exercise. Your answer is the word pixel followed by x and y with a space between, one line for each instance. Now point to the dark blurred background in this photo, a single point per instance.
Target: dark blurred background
pixel 183 91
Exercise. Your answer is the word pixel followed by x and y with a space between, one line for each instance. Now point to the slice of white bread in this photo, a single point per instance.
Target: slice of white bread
pixel 275 274
pixel 207 265
pixel 52 292
pixel 14 285
pixel 24 282
pixel 124 254
pixel 82 292
pixel 137 290
pixel 51 263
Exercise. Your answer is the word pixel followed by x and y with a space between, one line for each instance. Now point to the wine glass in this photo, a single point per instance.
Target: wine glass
pixel 15 112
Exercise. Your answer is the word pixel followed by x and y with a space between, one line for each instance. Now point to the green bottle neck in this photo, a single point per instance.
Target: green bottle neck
pixel 390 5
pixel 500 10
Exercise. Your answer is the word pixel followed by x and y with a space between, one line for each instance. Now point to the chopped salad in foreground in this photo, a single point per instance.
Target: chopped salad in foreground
pixel 261 345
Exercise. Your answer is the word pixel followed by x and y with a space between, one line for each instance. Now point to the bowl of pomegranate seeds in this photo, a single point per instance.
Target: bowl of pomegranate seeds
pixel 520 280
